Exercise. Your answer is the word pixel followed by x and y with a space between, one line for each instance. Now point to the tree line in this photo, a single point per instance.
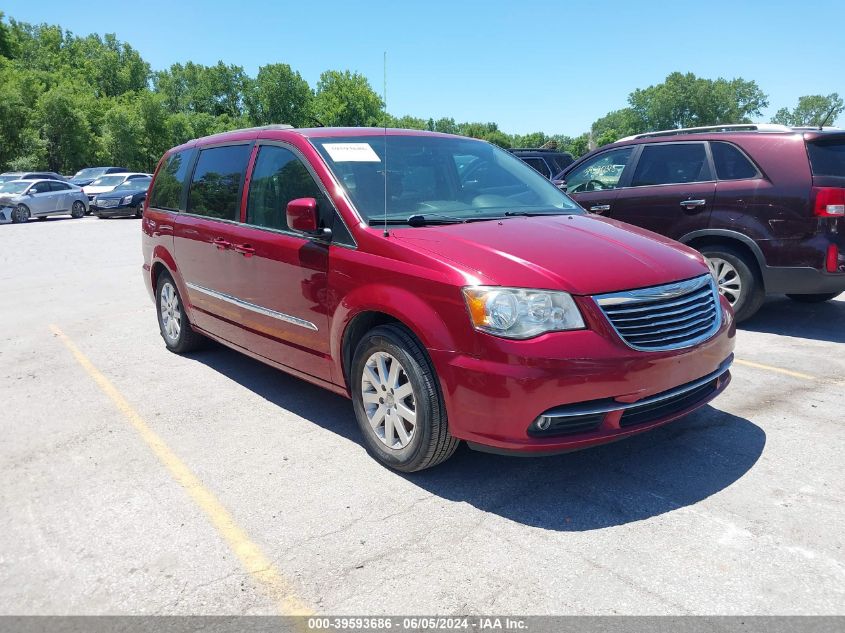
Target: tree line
pixel 72 101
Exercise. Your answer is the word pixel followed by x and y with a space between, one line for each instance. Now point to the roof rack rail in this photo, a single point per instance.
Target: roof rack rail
pixel 766 128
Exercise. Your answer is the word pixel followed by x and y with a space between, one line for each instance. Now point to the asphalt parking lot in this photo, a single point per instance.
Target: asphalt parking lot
pixel 135 481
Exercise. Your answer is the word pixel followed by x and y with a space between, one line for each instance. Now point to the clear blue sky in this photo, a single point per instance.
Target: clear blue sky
pixel 550 66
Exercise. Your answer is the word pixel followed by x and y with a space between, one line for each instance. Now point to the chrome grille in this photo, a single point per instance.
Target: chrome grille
pixel 665 317
pixel 107 202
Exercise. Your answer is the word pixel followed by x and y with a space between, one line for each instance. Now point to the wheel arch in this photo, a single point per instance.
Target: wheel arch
pixel 739 241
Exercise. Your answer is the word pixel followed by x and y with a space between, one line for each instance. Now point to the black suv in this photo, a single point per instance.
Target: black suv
pixel 765 204
pixel 547 161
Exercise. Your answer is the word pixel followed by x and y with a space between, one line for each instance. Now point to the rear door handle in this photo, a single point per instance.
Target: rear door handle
pixel 691 204
pixel 221 243
pixel 246 250
pixel 600 208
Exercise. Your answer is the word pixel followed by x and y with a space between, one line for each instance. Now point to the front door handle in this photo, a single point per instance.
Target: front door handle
pixel 221 243
pixel 600 208
pixel 692 204
pixel 246 250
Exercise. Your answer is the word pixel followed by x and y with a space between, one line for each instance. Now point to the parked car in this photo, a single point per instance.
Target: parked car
pixel 21 200
pixel 88 175
pixel 489 308
pixel 30 175
pixel 763 203
pixel 125 199
pixel 108 182
pixel 547 161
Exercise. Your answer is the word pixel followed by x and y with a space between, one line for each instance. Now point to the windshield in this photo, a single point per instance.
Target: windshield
pixel 438 176
pixel 134 185
pixel 15 186
pixel 108 181
pixel 90 172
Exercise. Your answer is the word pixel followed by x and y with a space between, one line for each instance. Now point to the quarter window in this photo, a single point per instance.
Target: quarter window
pixel 170 181
pixel 217 182
pixel 599 173
pixel 671 163
pixel 731 164
pixel 279 176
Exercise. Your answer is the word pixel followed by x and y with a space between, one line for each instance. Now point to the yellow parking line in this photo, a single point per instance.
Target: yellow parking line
pixel 778 370
pixel 251 557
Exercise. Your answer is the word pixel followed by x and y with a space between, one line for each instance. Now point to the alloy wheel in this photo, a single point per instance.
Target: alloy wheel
pixel 727 279
pixel 171 315
pixel 389 401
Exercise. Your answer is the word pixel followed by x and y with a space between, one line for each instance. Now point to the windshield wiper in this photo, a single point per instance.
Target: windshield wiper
pixel 416 220
pixel 531 214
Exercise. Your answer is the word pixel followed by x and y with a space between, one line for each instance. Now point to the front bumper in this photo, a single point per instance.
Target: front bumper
pixel 106 212
pixel 494 399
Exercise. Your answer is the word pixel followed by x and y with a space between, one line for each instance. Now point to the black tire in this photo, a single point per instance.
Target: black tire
pixel 430 442
pixel 818 298
pixel 77 210
pixel 752 293
pixel 186 340
pixel 139 210
pixel 20 214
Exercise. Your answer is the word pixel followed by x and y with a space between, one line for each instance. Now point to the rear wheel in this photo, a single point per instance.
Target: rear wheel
pixel 819 298
pixel 77 210
pixel 176 330
pixel 397 401
pixel 738 279
pixel 20 214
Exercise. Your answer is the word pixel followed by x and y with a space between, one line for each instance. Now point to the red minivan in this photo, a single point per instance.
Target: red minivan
pixel 446 287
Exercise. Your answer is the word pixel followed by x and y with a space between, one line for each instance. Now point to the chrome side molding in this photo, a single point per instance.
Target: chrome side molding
pixel 281 316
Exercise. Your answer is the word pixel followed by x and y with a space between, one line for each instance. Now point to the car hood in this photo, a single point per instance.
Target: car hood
pixel 94 190
pixel 7 199
pixel 579 254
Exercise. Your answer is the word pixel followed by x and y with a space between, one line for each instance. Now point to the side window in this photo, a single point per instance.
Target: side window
pixel 730 162
pixel 217 182
pixel 599 173
pixel 58 186
pixel 279 177
pixel 40 187
pixel 170 181
pixel 671 163
pixel 540 165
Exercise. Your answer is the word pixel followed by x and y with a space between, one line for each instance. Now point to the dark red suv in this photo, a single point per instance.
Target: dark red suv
pixel 444 285
pixel 763 203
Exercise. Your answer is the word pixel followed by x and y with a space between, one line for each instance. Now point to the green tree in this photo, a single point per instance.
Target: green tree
pixel 346 98
pixel 684 100
pixel 61 117
pixel 123 136
pixel 615 125
pixel 812 111
pixel 279 95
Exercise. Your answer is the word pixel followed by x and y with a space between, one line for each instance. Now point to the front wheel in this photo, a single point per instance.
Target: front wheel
pixel 818 298
pixel 20 214
pixel 77 210
pixel 397 401
pixel 139 210
pixel 738 279
pixel 176 330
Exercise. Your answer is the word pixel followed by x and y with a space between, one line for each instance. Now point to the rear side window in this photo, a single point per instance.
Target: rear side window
pixel 540 165
pixel 672 163
pixel 827 158
pixel 731 163
pixel 216 184
pixel 170 181
pixel 58 186
pixel 279 177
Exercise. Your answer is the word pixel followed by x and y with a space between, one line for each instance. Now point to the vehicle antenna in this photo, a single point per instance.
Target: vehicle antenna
pixel 384 88
pixel 829 114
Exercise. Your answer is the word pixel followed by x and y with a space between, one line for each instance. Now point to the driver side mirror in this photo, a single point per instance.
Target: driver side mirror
pixel 302 218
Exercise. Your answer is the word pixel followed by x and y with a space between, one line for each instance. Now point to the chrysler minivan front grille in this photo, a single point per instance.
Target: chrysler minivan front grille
pixel 671 316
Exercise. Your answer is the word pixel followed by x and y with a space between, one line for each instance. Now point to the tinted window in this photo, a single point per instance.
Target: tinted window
pixel 279 177
pixel 540 165
pixel 40 187
pixel 217 182
pixel 58 186
pixel 671 163
pixel 827 158
pixel 167 189
pixel 562 161
pixel 731 163
pixel 599 173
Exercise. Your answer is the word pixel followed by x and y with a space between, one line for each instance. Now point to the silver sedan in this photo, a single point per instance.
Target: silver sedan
pixel 21 200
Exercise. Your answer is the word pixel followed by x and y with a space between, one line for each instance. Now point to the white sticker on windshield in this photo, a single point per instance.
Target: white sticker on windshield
pixel 351 153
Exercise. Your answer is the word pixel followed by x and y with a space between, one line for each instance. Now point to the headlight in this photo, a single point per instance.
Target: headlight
pixel 126 199
pixel 520 312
